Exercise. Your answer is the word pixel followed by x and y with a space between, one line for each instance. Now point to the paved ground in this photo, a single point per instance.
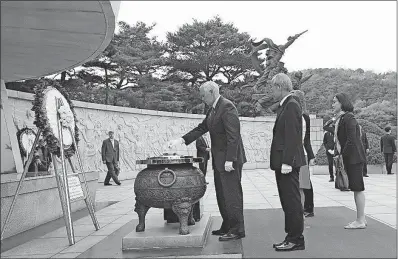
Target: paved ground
pixel 259 193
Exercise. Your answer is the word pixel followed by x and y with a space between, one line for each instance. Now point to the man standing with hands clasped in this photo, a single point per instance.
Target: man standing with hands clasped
pixel 228 157
pixel 287 156
pixel 110 157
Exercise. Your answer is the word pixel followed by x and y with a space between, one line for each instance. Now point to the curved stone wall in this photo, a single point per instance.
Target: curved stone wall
pixel 143 133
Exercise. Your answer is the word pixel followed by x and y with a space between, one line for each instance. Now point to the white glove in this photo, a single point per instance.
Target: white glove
pixel 175 142
pixel 208 149
pixel 311 162
pixel 286 169
pixel 228 166
pixel 331 152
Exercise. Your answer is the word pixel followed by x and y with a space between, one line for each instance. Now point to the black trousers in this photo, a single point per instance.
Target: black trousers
pixel 113 172
pixel 330 162
pixel 309 199
pixel 365 168
pixel 203 166
pixel 388 158
pixel 289 195
pixel 230 199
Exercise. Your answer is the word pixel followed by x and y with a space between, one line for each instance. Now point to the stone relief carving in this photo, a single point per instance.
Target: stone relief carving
pixel 141 136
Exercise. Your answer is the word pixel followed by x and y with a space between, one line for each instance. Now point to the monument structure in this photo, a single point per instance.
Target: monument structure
pixel 264 103
pixel 41 38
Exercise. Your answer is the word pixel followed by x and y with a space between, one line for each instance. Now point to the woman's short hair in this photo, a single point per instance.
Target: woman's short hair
pixel 346 104
pixel 387 129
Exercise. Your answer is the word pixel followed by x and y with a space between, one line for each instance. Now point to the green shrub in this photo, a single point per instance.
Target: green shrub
pixel 370 127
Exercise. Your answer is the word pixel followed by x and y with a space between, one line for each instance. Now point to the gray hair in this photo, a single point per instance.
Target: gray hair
pixel 210 85
pixel 283 81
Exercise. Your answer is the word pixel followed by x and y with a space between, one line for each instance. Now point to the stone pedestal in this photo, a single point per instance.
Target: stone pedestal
pixel 159 234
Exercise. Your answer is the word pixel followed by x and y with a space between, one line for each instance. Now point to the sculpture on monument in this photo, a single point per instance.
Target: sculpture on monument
pixel 264 102
pixel 169 182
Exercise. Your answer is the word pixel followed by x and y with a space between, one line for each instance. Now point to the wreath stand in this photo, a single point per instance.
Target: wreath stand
pixel 69 185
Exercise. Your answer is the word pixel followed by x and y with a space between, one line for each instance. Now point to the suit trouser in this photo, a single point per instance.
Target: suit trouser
pixel 330 162
pixel 230 199
pixel 289 195
pixel 309 199
pixel 365 167
pixel 203 166
pixel 113 172
pixel 388 158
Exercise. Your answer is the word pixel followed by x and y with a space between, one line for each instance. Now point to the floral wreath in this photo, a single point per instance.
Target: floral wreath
pixel 67 118
pixel 23 146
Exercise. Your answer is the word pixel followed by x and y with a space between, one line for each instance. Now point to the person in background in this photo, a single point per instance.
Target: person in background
pixel 348 144
pixel 203 150
pixel 365 144
pixel 328 143
pixel 306 189
pixel 110 157
pixel 388 148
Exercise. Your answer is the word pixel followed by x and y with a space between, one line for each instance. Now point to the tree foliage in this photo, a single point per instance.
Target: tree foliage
pixel 138 71
pixel 201 51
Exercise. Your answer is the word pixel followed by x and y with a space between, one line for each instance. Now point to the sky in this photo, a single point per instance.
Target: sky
pixel 341 34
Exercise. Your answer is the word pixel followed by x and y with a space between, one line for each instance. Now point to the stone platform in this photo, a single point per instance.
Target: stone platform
pixel 159 234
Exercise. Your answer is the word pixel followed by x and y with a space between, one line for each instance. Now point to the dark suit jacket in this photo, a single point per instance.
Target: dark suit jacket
pixel 307 137
pixel 364 139
pixel 287 142
pixel 328 141
pixel 224 127
pixel 201 148
pixel 387 144
pixel 348 134
pixel 108 152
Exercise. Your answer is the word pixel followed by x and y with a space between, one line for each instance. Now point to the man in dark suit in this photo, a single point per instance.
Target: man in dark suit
pixel 203 150
pixel 110 157
pixel 228 157
pixel 388 148
pixel 287 156
pixel 365 144
pixel 328 143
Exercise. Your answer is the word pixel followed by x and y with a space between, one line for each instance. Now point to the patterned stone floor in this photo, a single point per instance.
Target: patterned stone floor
pixel 259 190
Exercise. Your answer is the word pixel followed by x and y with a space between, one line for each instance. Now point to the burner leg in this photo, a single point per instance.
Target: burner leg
pixel 141 210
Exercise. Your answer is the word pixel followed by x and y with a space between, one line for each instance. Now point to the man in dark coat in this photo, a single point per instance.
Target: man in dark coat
pixel 228 157
pixel 365 144
pixel 328 143
pixel 388 148
pixel 110 157
pixel 287 156
pixel 203 150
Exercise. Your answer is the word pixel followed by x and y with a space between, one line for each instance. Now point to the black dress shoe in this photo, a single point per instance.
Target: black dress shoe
pixel 331 180
pixel 366 175
pixel 231 236
pixel 278 244
pixel 119 183
pixel 107 184
pixel 308 214
pixel 288 246
pixel 218 232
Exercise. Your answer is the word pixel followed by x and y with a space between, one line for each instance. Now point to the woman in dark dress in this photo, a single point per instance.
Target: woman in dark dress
pixel 348 144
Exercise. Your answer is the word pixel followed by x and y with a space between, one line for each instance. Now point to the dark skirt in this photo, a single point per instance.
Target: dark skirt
pixel 355 176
